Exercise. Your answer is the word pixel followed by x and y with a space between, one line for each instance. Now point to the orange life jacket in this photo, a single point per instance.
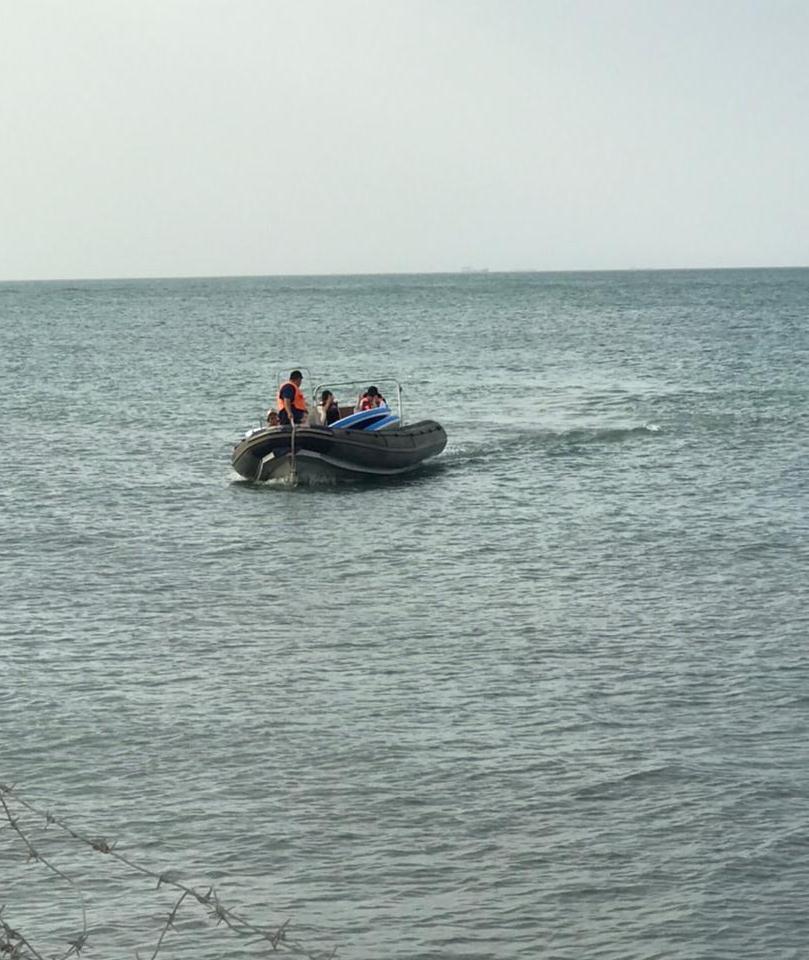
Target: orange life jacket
pixel 298 401
pixel 371 403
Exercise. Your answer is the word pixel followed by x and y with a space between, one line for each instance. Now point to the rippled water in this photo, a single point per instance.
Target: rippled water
pixel 546 698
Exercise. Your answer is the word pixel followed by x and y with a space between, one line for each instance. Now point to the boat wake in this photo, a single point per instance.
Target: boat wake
pixel 510 443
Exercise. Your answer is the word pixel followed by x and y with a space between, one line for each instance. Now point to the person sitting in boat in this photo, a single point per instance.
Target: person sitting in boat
pixel 272 418
pixel 291 404
pixel 371 399
pixel 327 410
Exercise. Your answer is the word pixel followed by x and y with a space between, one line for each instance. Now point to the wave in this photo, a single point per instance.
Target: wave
pixel 628 784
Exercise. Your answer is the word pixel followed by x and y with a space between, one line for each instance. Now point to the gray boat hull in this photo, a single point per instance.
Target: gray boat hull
pixel 320 454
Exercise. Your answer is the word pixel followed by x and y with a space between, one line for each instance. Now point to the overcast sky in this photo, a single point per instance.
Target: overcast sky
pixel 215 137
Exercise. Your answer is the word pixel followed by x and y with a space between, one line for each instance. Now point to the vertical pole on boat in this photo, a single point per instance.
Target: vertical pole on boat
pixel 293 477
pixel 399 398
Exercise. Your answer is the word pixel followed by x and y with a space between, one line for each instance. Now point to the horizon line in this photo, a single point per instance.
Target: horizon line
pixel 463 272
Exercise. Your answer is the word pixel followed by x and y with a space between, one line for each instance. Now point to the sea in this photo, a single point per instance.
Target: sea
pixel 547 697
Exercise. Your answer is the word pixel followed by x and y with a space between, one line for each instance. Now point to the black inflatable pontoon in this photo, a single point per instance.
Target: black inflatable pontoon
pixel 368 444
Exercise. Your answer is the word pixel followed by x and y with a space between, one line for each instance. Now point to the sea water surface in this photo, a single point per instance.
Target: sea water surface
pixel 547 698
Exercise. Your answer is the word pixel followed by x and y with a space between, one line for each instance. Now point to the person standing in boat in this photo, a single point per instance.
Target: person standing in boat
pixel 291 401
pixel 371 399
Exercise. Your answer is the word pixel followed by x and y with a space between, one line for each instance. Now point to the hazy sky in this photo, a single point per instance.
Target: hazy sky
pixel 213 137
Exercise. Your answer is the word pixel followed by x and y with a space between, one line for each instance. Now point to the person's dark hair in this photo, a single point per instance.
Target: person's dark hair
pixel 325 395
pixel 372 392
pixel 296 375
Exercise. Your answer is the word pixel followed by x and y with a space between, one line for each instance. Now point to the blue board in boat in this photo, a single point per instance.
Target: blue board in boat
pixel 388 421
pixel 361 420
